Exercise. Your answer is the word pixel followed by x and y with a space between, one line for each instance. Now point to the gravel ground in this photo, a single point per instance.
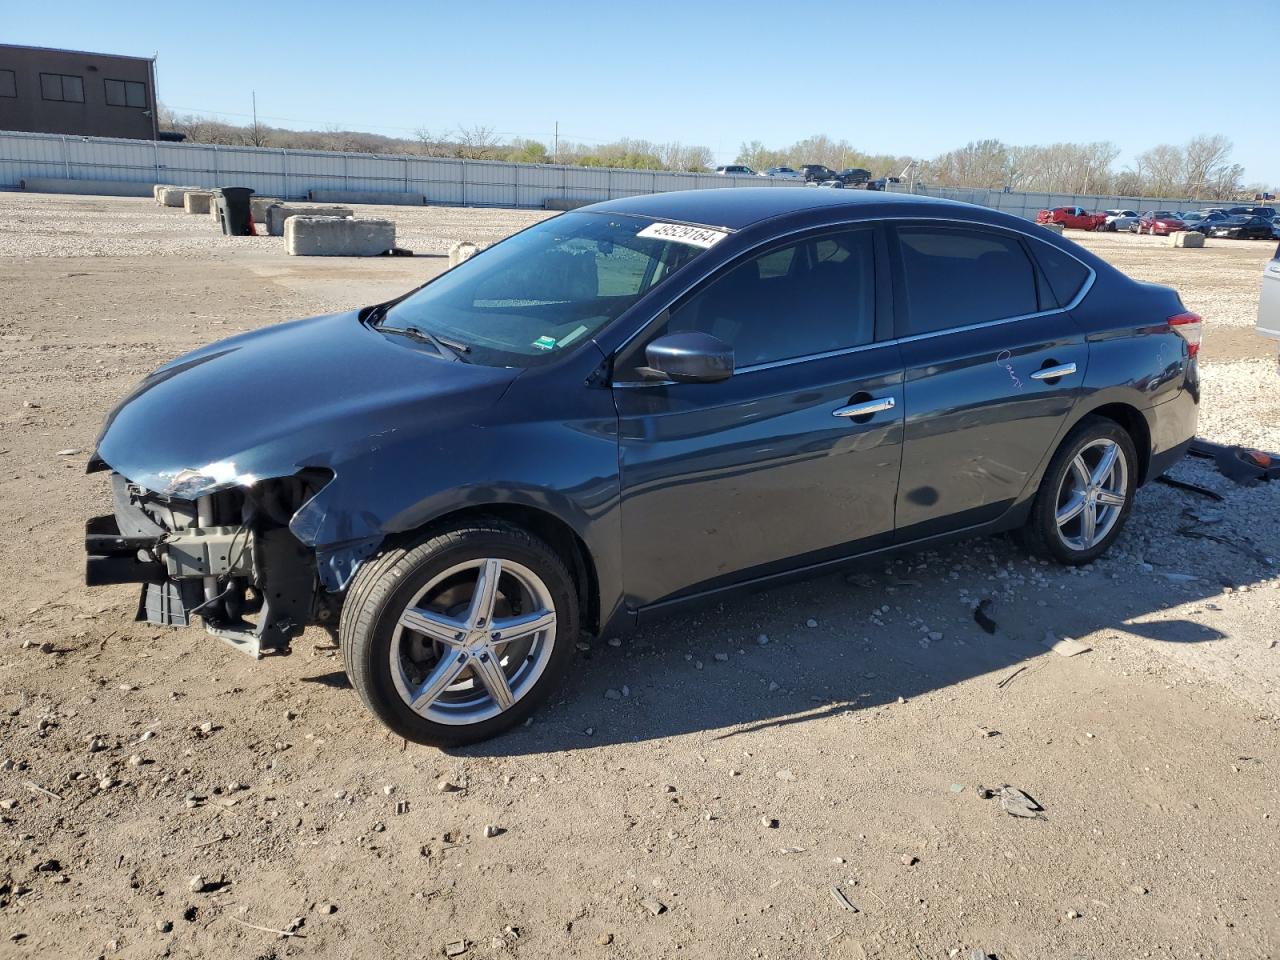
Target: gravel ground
pixel 42 225
pixel 701 787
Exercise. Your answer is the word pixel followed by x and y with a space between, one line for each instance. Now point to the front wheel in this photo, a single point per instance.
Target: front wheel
pixel 455 639
pixel 1085 496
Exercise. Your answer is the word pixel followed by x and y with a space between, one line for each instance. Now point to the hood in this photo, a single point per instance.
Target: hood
pixel 311 393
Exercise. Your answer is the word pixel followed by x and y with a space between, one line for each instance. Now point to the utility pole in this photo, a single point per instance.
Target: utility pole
pixel 257 140
pixel 555 150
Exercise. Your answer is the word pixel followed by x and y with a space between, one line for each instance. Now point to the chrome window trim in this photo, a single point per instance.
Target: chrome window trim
pixel 753 368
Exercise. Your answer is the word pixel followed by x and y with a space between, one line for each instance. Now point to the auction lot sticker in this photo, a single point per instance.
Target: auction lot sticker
pixel 703 237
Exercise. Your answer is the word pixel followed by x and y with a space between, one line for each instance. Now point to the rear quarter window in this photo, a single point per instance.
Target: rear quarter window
pixel 1065 274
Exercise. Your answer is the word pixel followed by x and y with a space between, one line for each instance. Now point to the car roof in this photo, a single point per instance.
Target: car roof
pixel 741 207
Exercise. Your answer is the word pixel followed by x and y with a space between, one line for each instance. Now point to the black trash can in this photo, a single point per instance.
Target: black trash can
pixel 233 211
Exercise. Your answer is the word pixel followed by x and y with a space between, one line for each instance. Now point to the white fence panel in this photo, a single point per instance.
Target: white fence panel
pixel 535 184
pixel 437 179
pixel 292 173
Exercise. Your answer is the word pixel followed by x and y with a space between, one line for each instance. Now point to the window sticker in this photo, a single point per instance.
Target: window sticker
pixel 704 237
pixel 545 343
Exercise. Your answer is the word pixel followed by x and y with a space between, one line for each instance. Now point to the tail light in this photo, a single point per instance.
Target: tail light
pixel 1187 325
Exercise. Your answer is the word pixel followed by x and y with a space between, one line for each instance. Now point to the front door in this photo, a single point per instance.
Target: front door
pixel 769 469
pixel 992 367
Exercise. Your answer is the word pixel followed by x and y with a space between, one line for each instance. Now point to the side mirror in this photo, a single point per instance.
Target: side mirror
pixel 689 357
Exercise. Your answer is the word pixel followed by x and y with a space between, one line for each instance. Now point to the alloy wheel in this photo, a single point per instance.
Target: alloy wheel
pixel 473 641
pixel 1092 494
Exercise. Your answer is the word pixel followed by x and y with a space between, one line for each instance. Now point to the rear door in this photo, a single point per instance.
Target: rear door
pixel 992 366
pixel 792 460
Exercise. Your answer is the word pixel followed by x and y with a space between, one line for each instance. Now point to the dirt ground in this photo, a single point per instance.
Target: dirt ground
pixel 793 773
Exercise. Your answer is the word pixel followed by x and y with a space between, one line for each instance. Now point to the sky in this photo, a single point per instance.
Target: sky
pixel 913 79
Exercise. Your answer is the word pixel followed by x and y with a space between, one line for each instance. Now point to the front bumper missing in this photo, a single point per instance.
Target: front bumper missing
pixel 172 574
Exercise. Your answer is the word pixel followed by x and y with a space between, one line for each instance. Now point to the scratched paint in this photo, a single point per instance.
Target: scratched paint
pixel 1004 360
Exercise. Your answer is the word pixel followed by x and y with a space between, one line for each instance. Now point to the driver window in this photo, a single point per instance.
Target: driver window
pixel 809 297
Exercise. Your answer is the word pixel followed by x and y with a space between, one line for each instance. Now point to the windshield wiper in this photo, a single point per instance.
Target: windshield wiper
pixel 453 345
pixel 443 347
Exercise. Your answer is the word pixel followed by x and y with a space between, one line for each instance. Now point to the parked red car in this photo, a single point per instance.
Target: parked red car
pixel 1077 218
pixel 1160 223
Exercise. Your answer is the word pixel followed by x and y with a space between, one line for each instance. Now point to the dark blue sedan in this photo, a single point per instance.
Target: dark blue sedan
pixel 630 407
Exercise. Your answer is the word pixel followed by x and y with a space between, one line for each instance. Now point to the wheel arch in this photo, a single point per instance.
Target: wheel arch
pixel 554 530
pixel 1130 419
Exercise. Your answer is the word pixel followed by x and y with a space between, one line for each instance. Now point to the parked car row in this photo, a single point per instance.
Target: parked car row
pixel 813 173
pixel 1232 223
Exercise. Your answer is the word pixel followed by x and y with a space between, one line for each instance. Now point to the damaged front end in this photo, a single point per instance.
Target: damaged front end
pixel 219 547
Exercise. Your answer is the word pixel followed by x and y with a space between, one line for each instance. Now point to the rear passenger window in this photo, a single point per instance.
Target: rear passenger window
pixel 1066 274
pixel 958 277
pixel 805 298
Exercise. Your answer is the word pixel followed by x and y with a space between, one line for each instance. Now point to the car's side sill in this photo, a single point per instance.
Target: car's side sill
pixel 1010 519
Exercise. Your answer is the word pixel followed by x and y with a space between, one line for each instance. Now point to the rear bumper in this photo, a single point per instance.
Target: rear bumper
pixel 1164 461
pixel 1173 428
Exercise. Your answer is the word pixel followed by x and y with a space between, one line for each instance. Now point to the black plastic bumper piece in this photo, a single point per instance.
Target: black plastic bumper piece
pixel 163 605
pixel 114 558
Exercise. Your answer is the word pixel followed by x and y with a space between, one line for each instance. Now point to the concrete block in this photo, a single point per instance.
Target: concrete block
pixel 258 207
pixel 213 206
pixel 1055 227
pixel 173 196
pixel 278 214
pixel 197 201
pixel 158 189
pixel 1186 238
pixel 462 250
pixel 367 196
pixel 308 236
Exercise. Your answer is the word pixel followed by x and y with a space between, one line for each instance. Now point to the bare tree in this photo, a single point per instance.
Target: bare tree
pixel 476 143
pixel 1206 166
pixel 982 163
pixel 759 157
pixel 430 144
pixel 1163 170
pixel 689 157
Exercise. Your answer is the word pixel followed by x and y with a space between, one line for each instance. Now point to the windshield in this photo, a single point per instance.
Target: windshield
pixel 548 288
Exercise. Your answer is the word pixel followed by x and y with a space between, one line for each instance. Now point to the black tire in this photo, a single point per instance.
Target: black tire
pixel 384 587
pixel 1040 535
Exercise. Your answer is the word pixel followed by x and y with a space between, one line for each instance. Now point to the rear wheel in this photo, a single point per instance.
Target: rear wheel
pixel 458 637
pixel 1085 495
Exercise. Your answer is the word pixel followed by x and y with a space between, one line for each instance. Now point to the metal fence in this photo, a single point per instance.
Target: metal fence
pixel 1029 204
pixel 294 173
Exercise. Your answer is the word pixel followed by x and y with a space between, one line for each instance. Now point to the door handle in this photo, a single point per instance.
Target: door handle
pixel 866 408
pixel 1053 373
